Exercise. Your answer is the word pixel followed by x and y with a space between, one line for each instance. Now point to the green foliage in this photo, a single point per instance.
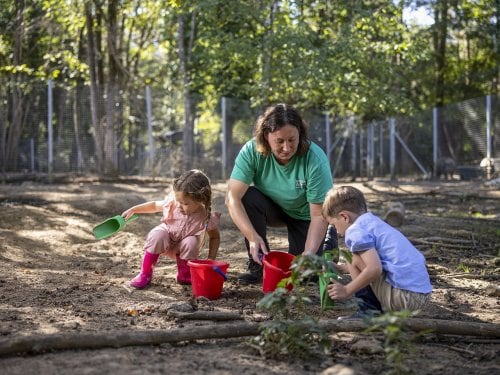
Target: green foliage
pixel 398 340
pixel 462 267
pixel 292 332
pixel 290 339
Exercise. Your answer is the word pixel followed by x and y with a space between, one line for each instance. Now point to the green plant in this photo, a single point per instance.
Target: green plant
pixel 298 339
pixel 398 341
pixel 463 268
pixel 292 332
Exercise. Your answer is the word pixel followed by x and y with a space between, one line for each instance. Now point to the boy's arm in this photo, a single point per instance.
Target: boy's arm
pixel 213 243
pixel 365 268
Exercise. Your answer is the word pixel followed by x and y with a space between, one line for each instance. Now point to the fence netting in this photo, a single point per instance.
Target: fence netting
pixel 355 148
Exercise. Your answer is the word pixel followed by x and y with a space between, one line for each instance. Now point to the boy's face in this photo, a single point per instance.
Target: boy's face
pixel 342 221
pixel 187 205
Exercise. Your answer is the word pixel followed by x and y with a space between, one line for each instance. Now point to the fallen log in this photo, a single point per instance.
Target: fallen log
pixel 205 315
pixel 395 214
pixel 115 339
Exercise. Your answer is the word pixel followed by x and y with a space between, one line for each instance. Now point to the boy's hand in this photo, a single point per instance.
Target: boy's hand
pixel 342 268
pixel 337 290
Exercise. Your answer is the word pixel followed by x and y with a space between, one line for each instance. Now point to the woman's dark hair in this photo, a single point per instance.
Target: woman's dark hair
pixel 273 119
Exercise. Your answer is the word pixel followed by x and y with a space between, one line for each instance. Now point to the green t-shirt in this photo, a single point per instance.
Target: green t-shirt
pixel 305 179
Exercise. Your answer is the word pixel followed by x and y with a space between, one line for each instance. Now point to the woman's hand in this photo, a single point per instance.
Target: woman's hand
pixel 257 248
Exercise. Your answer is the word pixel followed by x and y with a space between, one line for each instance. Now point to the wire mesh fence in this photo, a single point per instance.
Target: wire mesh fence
pixel 49 128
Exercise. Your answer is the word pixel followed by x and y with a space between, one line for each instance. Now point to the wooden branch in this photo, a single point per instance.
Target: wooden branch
pixel 95 340
pixel 447 239
pixel 118 339
pixel 465 275
pixel 459 350
pixel 205 315
pixel 442 244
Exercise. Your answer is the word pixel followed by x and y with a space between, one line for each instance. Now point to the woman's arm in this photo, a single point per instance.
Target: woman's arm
pixel 317 230
pixel 235 192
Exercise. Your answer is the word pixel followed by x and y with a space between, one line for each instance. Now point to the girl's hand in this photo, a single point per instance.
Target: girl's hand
pixel 126 214
pixel 337 291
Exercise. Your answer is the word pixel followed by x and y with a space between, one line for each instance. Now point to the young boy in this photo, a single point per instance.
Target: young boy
pixel 388 273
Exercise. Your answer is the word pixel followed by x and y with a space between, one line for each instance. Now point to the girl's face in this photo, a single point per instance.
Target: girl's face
pixel 284 143
pixel 187 205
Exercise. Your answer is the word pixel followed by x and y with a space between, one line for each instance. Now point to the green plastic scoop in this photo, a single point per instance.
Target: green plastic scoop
pixel 324 279
pixel 111 226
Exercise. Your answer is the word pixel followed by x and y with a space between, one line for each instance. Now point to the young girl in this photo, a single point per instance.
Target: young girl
pixel 187 220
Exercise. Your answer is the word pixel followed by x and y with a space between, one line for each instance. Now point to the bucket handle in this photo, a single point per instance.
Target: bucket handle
pixel 219 271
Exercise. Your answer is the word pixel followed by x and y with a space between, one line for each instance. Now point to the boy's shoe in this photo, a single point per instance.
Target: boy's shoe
pixel 253 275
pixel 141 281
pixel 360 315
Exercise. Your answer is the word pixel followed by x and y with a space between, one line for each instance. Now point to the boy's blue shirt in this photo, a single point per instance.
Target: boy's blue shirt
pixel 403 263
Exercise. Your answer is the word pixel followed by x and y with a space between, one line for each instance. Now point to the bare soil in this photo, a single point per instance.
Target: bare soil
pixel 56 279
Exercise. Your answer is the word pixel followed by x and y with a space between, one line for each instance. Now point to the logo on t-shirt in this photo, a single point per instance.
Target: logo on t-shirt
pixel 300 184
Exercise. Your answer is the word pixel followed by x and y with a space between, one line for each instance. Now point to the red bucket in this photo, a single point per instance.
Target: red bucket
pixel 276 268
pixel 207 277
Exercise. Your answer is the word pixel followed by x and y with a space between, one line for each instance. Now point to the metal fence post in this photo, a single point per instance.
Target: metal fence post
pixel 370 151
pixel 49 130
pixel 150 129
pixel 224 138
pixel 434 140
pixel 381 149
pixel 488 137
pixel 392 148
pixel 352 128
pixel 32 154
pixel 328 141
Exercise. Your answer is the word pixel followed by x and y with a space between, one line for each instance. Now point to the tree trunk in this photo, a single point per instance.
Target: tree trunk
pixel 440 36
pixel 94 85
pixel 14 132
pixel 110 156
pixel 184 61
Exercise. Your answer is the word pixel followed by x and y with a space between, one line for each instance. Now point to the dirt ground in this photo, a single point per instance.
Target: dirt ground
pixel 56 278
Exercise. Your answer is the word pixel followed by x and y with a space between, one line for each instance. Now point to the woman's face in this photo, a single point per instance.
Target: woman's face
pixel 284 143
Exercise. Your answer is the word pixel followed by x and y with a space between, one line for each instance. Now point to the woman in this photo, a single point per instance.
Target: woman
pixel 290 176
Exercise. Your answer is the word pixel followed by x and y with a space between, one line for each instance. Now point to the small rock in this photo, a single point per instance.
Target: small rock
pixel 492 290
pixel 339 369
pixel 367 347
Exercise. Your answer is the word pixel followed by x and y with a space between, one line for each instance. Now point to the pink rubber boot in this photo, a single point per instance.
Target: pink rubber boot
pixel 143 279
pixel 183 271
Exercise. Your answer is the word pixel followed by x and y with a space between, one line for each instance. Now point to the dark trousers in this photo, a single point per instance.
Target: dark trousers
pixel 367 301
pixel 264 213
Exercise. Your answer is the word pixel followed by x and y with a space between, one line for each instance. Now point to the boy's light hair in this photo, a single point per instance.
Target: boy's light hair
pixel 344 198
